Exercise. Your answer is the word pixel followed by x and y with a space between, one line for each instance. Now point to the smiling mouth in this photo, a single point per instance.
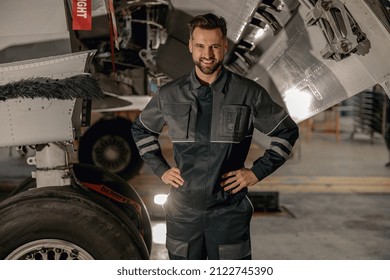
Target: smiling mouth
pixel 207 61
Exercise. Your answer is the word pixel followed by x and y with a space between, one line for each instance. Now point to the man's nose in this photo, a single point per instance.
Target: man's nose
pixel 208 53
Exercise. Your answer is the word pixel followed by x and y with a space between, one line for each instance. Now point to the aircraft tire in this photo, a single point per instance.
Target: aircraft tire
pixel 109 144
pixel 96 175
pixel 66 223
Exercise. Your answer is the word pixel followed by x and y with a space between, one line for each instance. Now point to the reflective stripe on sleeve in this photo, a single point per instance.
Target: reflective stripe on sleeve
pixel 148 149
pixel 146 141
pixel 284 142
pixel 279 151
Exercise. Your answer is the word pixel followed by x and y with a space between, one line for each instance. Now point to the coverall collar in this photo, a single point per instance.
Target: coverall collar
pixel 217 86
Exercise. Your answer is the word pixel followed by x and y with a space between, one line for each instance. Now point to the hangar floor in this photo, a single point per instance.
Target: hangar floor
pixel 333 198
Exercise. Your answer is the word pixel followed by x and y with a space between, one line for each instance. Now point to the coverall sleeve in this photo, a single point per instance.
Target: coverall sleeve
pixel 271 119
pixel 146 130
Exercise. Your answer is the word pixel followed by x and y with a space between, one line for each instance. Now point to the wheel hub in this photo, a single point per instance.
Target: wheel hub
pixel 111 152
pixel 49 249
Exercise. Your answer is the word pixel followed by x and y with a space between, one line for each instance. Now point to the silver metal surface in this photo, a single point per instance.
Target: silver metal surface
pixel 341 32
pixel 31 121
pixel 35 121
pixel 56 67
pixel 294 71
pixel 52 164
pixel 40 26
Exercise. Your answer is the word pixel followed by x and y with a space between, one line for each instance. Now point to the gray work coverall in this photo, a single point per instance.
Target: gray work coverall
pixel 211 129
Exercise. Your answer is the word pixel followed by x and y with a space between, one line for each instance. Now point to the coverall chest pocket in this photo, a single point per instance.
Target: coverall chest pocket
pixel 177 117
pixel 233 122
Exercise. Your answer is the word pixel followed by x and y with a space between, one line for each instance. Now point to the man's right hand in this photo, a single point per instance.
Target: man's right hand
pixel 172 177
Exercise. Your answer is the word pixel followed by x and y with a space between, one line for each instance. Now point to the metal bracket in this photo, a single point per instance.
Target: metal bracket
pixel 341 31
pixel 52 163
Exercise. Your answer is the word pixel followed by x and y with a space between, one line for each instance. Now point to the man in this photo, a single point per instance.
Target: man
pixel 210 114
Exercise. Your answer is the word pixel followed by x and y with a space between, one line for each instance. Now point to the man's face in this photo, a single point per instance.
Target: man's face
pixel 208 48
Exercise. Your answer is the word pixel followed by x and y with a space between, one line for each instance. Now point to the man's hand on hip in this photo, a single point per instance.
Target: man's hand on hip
pixel 172 177
pixel 238 179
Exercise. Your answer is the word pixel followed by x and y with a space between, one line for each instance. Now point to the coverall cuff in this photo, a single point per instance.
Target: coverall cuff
pixel 160 170
pixel 258 171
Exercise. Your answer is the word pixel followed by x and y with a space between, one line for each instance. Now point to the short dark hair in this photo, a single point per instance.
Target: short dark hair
pixel 207 21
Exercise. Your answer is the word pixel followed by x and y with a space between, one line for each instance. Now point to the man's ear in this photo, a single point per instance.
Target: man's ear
pixel 190 45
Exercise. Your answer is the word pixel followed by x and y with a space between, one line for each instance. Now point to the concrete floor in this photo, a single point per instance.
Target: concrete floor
pixel 333 199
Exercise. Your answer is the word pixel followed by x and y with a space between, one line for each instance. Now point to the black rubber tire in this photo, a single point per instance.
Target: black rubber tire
pixel 96 175
pixel 72 216
pixel 111 138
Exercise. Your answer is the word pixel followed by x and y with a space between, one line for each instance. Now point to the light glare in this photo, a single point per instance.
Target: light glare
pixel 298 103
pixel 160 199
pixel 159 232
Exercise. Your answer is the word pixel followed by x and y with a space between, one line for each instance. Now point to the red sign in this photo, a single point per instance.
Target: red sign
pixel 81 15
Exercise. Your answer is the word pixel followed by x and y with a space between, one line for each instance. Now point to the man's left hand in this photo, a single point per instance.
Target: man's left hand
pixel 238 179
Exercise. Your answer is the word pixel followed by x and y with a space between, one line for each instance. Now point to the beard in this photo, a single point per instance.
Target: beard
pixel 207 70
